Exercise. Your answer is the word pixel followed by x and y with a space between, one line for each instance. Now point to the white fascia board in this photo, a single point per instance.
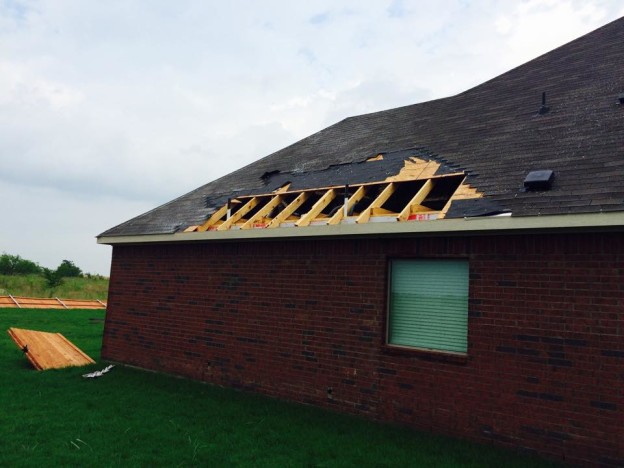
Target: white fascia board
pixel 613 221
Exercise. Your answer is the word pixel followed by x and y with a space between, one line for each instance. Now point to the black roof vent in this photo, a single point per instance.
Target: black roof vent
pixel 543 108
pixel 539 180
pixel 621 98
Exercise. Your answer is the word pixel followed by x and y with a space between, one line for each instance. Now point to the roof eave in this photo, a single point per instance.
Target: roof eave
pixel 613 221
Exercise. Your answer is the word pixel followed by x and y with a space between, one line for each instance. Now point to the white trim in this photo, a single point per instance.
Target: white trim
pixel 484 225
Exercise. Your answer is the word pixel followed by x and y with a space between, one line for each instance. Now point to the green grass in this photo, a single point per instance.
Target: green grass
pixel 95 287
pixel 130 417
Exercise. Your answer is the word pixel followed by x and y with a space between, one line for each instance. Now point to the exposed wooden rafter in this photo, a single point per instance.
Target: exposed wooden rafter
pixel 272 210
pixel 246 208
pixel 263 212
pixel 217 215
pixel 376 203
pixel 321 203
pixel 289 210
pixel 416 200
pixel 353 199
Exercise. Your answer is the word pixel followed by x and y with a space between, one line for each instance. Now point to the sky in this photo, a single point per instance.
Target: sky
pixel 111 108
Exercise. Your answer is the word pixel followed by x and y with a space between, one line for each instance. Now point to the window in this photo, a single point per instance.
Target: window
pixel 428 304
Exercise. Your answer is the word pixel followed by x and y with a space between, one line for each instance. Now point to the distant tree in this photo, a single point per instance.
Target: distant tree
pixel 16 265
pixel 52 277
pixel 67 269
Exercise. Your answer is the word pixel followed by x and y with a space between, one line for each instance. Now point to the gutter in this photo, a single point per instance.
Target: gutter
pixel 494 225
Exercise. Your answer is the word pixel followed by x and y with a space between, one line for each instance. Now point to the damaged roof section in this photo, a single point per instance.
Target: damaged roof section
pixel 376 168
pixel 387 187
pixel 493 133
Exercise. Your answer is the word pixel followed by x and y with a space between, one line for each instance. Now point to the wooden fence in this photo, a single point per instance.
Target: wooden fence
pixel 49 303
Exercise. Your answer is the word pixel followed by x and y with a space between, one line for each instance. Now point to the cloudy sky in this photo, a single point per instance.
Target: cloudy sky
pixel 110 108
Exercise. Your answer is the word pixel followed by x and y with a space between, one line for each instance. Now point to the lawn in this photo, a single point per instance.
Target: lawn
pixel 130 417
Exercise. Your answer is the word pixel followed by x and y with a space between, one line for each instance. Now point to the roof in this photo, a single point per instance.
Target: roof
pixel 494 133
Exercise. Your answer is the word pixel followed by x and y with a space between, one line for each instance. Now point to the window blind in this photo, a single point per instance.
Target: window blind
pixel 429 304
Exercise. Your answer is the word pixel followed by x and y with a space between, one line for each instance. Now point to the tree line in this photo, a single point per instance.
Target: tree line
pixel 16 265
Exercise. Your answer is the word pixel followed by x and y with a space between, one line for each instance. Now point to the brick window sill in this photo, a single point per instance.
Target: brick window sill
pixel 426 354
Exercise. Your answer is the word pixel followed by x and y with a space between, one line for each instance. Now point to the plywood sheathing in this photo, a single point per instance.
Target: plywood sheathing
pixel 415 169
pixel 49 303
pixel 48 350
pixel 379 157
pixel 466 191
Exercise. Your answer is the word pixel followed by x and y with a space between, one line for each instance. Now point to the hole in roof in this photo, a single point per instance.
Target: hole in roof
pixel 267 175
pixel 442 191
pixel 544 109
pixel 383 201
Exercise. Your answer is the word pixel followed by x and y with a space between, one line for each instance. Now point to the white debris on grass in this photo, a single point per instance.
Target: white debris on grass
pixel 99 373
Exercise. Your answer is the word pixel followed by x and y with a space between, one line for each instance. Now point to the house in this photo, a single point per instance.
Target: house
pixel 454 265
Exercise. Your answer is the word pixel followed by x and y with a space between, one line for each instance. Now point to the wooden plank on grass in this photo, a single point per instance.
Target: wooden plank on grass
pixel 50 303
pixel 48 350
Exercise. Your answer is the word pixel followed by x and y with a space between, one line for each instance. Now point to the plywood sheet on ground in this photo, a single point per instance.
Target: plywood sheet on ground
pixel 6 301
pixel 48 350
pixel 50 303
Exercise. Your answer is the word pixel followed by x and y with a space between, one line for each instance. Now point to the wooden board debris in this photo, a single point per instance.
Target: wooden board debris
pixel 49 303
pixel 48 350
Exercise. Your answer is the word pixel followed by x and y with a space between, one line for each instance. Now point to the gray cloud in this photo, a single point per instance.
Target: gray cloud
pixel 108 109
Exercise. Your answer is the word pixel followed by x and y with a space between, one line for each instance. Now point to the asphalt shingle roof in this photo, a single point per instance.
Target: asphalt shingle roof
pixel 493 132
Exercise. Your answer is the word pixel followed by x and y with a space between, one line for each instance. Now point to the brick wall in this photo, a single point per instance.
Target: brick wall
pixel 305 321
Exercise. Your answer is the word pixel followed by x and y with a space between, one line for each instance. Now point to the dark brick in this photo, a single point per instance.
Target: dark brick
pixel 532 338
pixel 604 405
pixel 612 353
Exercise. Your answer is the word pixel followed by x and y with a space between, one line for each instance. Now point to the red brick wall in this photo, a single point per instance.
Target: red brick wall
pixel 305 321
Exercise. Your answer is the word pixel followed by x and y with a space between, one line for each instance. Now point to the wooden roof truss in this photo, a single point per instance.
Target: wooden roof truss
pixel 388 201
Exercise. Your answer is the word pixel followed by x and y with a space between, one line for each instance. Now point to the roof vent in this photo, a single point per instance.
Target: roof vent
pixel 621 98
pixel 539 180
pixel 543 108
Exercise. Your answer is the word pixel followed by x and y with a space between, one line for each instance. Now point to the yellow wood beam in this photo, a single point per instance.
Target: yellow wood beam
pixel 382 212
pixel 416 200
pixel 216 216
pixel 246 208
pixel 264 211
pixel 420 209
pixel 320 204
pixel 353 199
pixel 290 209
pixel 377 202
